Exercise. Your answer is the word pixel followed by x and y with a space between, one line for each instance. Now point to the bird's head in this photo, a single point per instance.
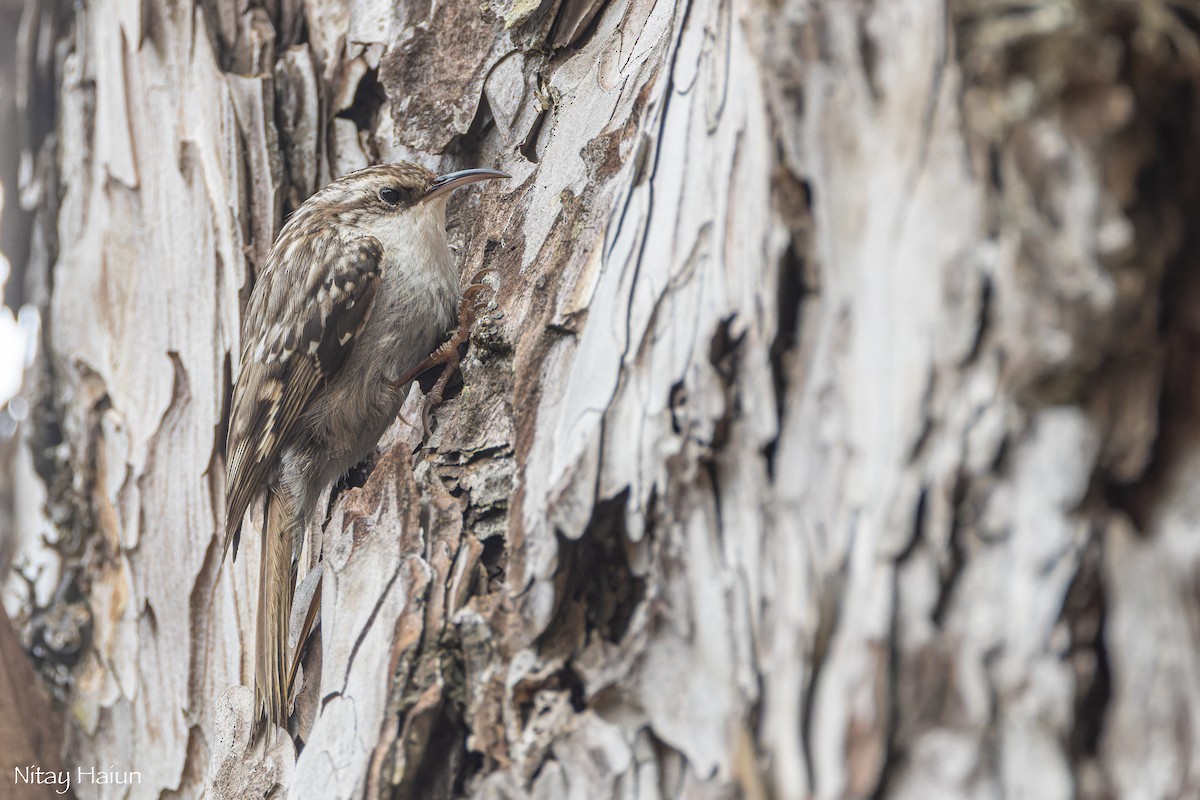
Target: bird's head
pixel 387 192
pixel 401 203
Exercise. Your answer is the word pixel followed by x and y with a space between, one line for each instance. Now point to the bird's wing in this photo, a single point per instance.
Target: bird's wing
pixel 287 356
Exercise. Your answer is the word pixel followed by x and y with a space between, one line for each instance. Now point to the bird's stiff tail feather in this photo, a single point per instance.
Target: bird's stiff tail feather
pixel 275 587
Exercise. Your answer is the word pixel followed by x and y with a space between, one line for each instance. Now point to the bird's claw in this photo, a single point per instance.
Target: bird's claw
pixel 469 307
pixel 471 304
pixel 480 275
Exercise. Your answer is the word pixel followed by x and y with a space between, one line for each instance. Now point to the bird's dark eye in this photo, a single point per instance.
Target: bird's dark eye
pixel 390 195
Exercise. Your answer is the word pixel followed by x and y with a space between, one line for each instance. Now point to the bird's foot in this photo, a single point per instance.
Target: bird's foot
pixel 448 354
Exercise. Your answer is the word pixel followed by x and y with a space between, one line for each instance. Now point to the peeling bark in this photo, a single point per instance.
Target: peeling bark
pixel 831 432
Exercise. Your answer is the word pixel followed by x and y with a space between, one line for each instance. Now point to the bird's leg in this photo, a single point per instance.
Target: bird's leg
pixel 448 353
pixel 468 312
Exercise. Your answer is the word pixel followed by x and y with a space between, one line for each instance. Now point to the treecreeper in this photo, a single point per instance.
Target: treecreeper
pixel 355 297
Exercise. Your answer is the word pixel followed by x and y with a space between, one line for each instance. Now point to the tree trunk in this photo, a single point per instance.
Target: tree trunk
pixel 831 433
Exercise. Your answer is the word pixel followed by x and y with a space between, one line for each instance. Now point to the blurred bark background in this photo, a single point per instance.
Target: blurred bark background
pixel 833 433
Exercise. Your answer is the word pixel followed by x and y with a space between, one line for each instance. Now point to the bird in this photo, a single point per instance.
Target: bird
pixel 352 301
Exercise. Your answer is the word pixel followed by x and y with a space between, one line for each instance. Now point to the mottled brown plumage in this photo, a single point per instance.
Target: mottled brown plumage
pixel 357 291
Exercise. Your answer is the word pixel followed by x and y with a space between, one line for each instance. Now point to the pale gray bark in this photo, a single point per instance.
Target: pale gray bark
pixel 830 434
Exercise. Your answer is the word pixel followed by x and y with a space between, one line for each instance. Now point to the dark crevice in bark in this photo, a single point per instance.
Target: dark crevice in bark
pixel 575 22
pixel 793 198
pixel 569 679
pixel 920 513
pixel 369 97
pixel 355 478
pixel 468 148
pixel 221 428
pixel 597 590
pixel 1085 611
pixel 955 556
pixel 1187 16
pixel 57 635
pixel 724 354
pixel 789 297
pixel 222 50
pixel 495 561
pixel 867 49
pixel 435 761
pixel 1169 193
pixel 677 400
pixel 528 147
pixel 987 293
pixel 287 17
pixel 444 766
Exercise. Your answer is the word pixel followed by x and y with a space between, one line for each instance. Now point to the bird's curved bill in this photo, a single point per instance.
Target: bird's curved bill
pixel 444 184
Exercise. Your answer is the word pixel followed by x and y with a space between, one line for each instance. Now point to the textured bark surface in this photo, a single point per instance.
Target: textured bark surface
pixel 832 432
